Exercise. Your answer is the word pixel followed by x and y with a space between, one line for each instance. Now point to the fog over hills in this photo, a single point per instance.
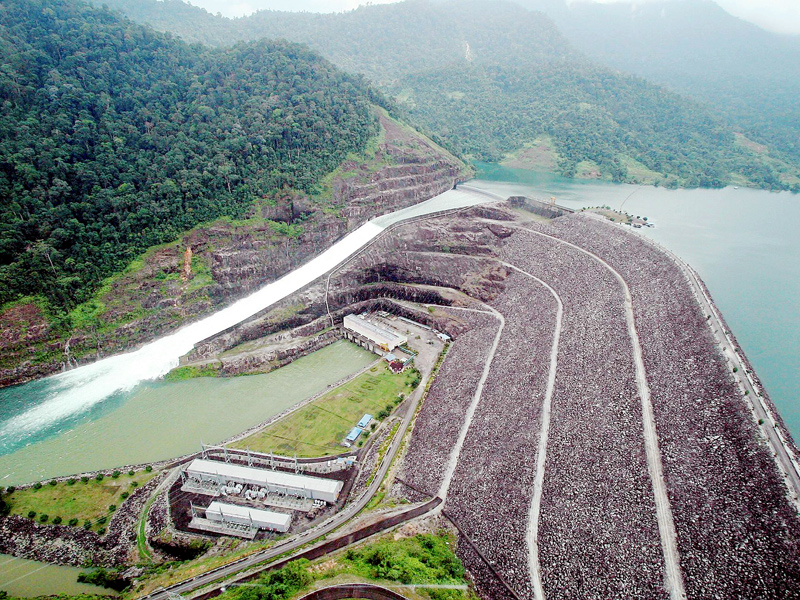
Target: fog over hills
pixel 697 48
pixel 495 80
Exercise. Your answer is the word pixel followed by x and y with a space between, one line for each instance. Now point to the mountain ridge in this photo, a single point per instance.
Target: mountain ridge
pixel 416 51
pixel 698 49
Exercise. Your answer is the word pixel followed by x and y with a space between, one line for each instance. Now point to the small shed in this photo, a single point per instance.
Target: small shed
pixel 353 436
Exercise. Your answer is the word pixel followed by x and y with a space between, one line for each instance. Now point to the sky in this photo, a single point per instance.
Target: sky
pixel 782 16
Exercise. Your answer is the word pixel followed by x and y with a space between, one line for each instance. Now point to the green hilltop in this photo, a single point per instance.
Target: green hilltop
pixel 491 78
pixel 115 138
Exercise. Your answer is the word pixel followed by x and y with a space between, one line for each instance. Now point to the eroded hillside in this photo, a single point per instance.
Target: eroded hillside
pixel 218 262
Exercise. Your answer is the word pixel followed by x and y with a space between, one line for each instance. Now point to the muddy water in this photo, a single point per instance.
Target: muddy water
pixel 161 420
pixel 22 578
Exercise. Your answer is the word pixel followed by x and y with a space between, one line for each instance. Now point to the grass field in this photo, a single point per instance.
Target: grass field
pixel 538 156
pixel 84 501
pixel 318 428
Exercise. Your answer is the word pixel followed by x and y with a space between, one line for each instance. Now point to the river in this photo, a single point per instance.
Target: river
pixel 744 243
pixel 110 410
pixel 160 420
pixel 28 578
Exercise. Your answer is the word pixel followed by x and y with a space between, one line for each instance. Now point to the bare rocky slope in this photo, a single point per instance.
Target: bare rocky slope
pixel 219 262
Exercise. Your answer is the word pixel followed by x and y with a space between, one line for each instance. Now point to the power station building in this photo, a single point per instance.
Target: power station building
pixel 239 521
pixel 222 512
pixel 209 476
pixel 372 336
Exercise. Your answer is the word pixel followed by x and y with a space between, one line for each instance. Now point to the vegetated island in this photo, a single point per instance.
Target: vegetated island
pixel 590 429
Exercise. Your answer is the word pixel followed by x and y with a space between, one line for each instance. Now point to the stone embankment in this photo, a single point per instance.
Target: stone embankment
pixel 735 530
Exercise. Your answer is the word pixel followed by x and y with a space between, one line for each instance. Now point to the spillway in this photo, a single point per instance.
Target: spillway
pixel 61 397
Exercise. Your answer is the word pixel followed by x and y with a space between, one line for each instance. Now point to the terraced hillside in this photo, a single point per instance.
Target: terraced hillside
pixel 225 259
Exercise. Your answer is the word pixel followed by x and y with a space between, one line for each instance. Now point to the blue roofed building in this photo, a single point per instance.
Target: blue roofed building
pixel 365 420
pixel 352 436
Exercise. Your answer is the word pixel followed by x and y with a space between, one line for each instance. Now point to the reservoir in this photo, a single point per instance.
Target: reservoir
pixel 28 578
pixel 744 243
pixel 160 420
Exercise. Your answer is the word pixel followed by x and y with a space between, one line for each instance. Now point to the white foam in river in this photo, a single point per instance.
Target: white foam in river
pixel 77 390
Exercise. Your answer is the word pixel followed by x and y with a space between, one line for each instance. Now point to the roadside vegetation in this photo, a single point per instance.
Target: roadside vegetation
pixel 165 574
pixel 79 502
pixel 421 559
pixel 319 428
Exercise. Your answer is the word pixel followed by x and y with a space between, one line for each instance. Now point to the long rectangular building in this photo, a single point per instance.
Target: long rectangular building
pixel 382 337
pixel 244 515
pixel 277 482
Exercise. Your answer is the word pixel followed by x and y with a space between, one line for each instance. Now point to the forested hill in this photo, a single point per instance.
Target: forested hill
pixel 114 137
pixel 384 42
pixel 750 75
pixel 497 81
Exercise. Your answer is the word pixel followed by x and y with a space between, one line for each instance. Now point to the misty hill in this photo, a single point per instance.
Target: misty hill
pixel 496 81
pixel 693 46
pixel 114 137
pixel 384 42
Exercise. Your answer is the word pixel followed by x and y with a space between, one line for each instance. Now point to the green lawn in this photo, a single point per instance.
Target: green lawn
pixel 318 428
pixel 87 501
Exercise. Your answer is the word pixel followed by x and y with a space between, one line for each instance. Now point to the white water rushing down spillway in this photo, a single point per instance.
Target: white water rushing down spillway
pixel 76 391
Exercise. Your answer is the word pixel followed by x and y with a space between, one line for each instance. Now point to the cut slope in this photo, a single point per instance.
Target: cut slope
pixel 229 258
pixel 116 138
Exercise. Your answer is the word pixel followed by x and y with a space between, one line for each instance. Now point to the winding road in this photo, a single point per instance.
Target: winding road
pixel 476 399
pixel 666 525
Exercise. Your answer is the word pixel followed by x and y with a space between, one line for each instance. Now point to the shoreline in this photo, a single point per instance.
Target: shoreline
pixel 748 381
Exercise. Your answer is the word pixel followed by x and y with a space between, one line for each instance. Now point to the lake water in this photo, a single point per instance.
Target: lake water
pixel 744 243
pixel 161 420
pixel 28 578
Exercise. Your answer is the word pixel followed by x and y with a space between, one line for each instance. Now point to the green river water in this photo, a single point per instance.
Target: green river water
pixel 161 420
pixel 27 578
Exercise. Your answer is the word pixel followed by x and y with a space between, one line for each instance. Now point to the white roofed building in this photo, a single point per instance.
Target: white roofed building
pixel 212 474
pixel 377 336
pixel 244 515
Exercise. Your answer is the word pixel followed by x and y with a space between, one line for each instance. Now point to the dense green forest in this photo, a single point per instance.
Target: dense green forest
pixel 746 74
pixel 114 137
pixel 385 42
pixel 490 77
pixel 487 110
